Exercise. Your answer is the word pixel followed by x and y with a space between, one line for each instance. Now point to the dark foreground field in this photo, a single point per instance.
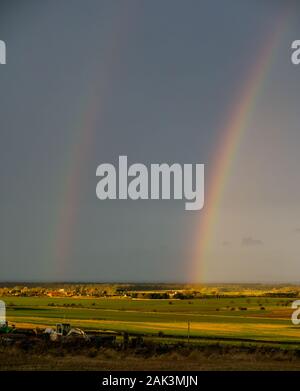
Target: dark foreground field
pixel 151 356
pixel 108 359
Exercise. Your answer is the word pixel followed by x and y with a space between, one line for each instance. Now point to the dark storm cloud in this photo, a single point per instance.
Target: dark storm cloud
pixel 249 241
pixel 225 243
pixel 167 73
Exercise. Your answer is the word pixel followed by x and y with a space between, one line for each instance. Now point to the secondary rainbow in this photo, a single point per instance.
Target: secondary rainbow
pixel 81 143
pixel 228 146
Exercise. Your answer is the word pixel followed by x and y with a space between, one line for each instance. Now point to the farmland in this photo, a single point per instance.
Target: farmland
pixel 258 318
pixel 212 328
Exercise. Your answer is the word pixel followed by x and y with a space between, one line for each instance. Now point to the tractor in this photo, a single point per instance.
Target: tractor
pixel 6 329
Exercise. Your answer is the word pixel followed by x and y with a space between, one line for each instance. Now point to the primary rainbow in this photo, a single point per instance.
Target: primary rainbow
pixel 228 146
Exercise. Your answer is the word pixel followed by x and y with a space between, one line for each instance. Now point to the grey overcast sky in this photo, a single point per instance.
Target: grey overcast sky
pixel 89 80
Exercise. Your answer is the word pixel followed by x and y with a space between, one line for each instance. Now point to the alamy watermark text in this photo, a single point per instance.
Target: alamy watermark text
pixel 135 182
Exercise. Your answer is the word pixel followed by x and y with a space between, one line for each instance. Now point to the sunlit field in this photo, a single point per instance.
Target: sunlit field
pixel 234 319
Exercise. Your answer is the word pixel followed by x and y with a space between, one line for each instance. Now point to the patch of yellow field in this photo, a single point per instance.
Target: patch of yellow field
pixel 238 330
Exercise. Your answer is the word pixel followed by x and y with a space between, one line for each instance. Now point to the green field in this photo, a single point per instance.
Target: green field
pixel 214 318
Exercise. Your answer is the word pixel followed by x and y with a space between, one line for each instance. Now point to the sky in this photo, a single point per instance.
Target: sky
pixel 87 81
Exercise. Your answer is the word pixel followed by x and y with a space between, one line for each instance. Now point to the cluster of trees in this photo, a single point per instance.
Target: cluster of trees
pixel 162 295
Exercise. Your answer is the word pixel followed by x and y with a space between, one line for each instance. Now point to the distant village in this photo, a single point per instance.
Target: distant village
pixel 92 291
pixel 147 291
